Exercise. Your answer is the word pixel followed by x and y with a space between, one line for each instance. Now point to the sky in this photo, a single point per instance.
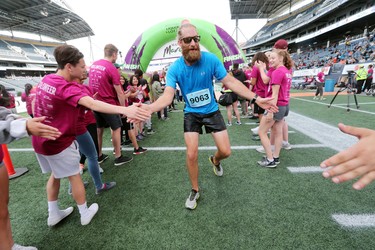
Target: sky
pixel 121 22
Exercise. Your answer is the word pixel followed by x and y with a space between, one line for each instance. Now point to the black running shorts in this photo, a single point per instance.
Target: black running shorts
pixel 212 122
pixel 257 109
pixel 102 120
pixel 126 125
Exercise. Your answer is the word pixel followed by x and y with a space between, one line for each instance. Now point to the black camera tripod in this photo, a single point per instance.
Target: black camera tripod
pixel 350 91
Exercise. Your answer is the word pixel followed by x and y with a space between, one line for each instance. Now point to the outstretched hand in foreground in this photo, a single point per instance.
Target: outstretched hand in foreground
pixel 35 127
pixel 356 161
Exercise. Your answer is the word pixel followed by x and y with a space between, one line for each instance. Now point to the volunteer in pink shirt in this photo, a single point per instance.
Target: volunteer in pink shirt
pixel 58 99
pixel 319 85
pixel 104 79
pixel 280 82
pixel 259 87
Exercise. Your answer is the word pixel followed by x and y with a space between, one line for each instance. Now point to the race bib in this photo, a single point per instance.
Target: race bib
pixel 199 98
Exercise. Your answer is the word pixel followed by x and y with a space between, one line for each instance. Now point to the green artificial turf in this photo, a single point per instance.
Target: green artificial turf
pixel 248 208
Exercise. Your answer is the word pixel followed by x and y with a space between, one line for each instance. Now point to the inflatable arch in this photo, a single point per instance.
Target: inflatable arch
pixel 213 38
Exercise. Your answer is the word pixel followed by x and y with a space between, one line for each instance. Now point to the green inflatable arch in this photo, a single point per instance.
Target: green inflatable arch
pixel 213 38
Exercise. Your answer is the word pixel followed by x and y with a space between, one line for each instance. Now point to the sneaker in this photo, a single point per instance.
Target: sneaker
pixel 19 247
pixel 315 98
pixel 260 150
pixel 165 118
pixel 106 186
pixel 101 170
pixel 229 124
pixel 266 163
pixel 255 130
pixel 150 131
pixel 139 151
pixel 59 216
pixel 102 158
pixel 286 146
pixel 191 201
pixel 90 213
pixel 218 169
pixel 276 160
pixel 322 98
pixel 122 160
pixel 85 184
pixel 238 123
pixel 139 137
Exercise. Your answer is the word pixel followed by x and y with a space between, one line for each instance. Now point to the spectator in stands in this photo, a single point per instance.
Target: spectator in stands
pixel 61 157
pixel 28 96
pixel 11 128
pixel 361 76
pixel 105 81
pixel 368 83
pixel 319 85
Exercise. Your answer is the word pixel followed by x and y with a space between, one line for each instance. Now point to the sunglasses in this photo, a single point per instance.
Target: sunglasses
pixel 187 40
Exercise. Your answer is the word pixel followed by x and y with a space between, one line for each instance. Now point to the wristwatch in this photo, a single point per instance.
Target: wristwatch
pixel 254 99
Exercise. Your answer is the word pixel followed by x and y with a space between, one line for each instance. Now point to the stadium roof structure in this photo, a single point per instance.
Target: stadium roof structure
pixel 249 9
pixel 52 18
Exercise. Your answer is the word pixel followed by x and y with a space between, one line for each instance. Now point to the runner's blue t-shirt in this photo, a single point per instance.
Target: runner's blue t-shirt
pixel 196 82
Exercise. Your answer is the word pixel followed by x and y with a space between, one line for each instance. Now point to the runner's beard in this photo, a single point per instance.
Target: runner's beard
pixel 191 55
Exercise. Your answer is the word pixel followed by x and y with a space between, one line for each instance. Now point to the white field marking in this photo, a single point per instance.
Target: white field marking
pixel 355 221
pixel 326 134
pixel 305 170
pixel 360 103
pixel 203 148
pixel 352 106
pixel 251 123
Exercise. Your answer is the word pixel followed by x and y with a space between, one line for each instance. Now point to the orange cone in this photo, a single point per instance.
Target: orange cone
pixel 12 172
pixel 7 161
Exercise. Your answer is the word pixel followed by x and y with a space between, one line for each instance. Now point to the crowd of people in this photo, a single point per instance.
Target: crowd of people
pixel 77 115
pixel 352 51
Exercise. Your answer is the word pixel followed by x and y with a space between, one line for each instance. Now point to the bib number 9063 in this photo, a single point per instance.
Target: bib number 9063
pixel 199 98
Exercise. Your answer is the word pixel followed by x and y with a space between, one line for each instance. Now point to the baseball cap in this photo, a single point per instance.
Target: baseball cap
pixel 361 65
pixel 281 44
pixel 117 65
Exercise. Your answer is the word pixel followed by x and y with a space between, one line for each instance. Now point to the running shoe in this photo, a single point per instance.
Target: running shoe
pixel 102 158
pixel 191 201
pixel 218 169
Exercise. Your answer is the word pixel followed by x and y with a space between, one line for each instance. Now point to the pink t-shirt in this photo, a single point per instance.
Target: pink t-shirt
pixel 259 88
pixel 269 88
pixel 103 76
pixel 283 77
pixel 370 72
pixel 81 123
pixel 320 77
pixel 57 99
